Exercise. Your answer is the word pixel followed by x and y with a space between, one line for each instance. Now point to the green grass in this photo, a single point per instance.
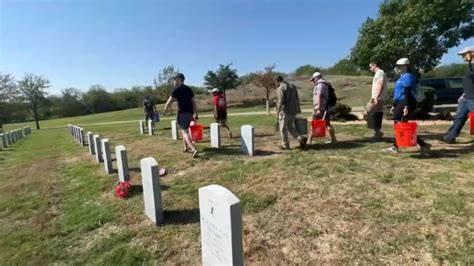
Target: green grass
pixel 333 204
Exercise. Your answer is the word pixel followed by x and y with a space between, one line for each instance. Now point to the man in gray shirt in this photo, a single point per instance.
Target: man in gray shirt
pixel 466 101
pixel 288 106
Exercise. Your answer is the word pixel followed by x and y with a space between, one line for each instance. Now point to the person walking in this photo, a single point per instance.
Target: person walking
pixel 149 109
pixel 220 109
pixel 187 110
pixel 287 107
pixel 377 101
pixel 466 101
pixel 321 106
pixel 404 97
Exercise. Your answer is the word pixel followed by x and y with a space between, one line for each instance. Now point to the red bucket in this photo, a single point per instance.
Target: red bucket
pixel 405 133
pixel 318 128
pixel 471 117
pixel 196 132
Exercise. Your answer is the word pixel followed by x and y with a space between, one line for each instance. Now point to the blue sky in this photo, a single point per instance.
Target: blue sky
pixel 78 43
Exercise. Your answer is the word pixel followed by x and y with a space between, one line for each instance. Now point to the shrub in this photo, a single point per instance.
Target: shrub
pixel 342 112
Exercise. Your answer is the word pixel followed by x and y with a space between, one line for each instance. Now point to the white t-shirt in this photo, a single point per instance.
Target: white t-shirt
pixel 380 75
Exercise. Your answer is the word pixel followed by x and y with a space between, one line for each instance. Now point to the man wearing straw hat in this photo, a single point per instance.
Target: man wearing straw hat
pixel 466 101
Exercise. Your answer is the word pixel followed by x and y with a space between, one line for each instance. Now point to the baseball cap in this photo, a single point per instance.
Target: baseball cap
pixel 466 50
pixel 179 76
pixel 315 75
pixel 215 90
pixel 403 61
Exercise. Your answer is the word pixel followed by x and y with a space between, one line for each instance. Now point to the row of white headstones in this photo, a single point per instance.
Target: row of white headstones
pixel 220 209
pixel 8 138
pixel 247 135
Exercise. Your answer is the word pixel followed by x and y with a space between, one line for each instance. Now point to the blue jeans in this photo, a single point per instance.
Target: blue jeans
pixel 465 106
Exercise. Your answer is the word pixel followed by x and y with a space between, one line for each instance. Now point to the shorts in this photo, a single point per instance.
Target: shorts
pixel 328 121
pixel 221 115
pixel 150 115
pixel 184 120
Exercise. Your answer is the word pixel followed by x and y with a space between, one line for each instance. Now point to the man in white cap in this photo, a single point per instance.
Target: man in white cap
pixel 466 101
pixel 322 104
pixel 220 109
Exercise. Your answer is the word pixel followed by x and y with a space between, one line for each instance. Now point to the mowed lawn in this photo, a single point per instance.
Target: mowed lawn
pixel 334 203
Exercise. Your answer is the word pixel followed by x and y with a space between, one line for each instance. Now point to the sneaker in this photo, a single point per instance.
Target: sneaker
pixel 425 150
pixel 330 142
pixel 377 136
pixel 392 149
pixel 446 140
pixel 303 141
pixel 195 154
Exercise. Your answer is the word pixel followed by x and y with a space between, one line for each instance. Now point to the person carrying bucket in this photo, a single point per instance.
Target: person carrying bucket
pixel 187 110
pixel 322 105
pixel 149 110
pixel 377 101
pixel 220 109
pixel 466 101
pixel 405 102
pixel 287 107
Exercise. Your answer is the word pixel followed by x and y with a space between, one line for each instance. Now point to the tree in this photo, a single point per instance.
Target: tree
pixel 265 79
pixel 71 103
pixel 98 100
pixel 164 84
pixel 8 87
pixel 421 30
pixel 32 89
pixel 225 78
pixel 306 70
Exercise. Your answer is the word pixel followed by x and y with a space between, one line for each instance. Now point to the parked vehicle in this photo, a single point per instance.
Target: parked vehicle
pixel 447 90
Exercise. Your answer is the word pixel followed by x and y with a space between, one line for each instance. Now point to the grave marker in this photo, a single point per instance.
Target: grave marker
pixel 221 226
pixel 174 130
pixel 247 139
pixel 98 149
pixel 152 189
pixel 106 155
pixel 215 135
pixel 122 163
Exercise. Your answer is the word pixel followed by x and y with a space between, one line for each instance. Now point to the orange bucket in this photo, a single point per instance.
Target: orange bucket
pixel 471 117
pixel 405 134
pixel 318 128
pixel 196 132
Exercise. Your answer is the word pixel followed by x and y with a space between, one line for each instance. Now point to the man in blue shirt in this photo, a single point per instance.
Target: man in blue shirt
pixel 405 102
pixel 187 110
pixel 466 101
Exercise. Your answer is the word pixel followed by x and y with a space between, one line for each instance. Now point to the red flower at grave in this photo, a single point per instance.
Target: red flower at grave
pixel 122 190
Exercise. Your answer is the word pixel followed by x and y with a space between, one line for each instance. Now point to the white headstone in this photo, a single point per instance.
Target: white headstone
pixel 90 139
pixel 174 130
pixel 122 163
pixel 98 149
pixel 4 141
pixel 13 134
pixel 152 189
pixel 215 135
pixel 81 137
pixel 150 127
pixel 141 124
pixel 9 138
pixel 247 139
pixel 106 156
pixel 221 226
